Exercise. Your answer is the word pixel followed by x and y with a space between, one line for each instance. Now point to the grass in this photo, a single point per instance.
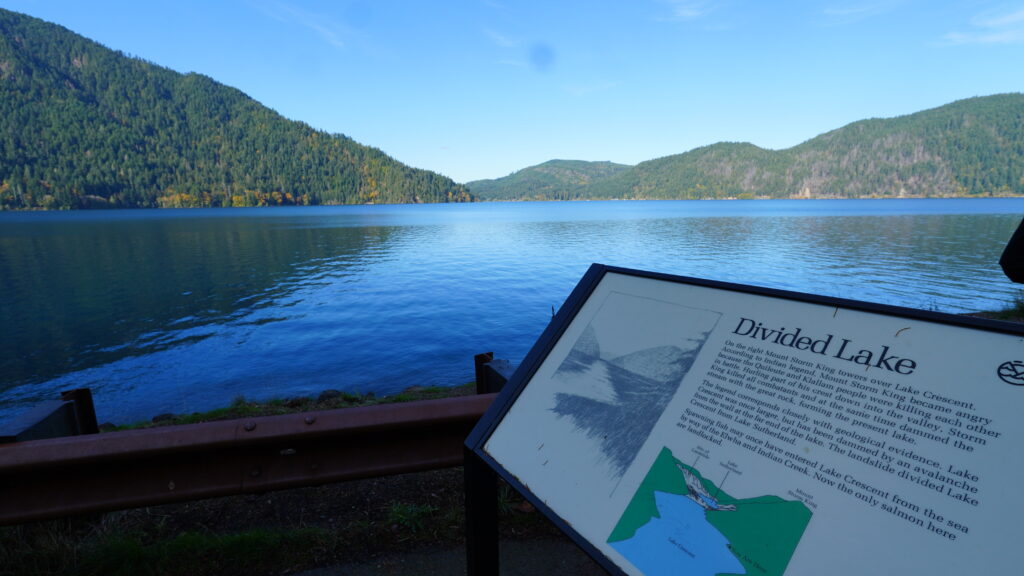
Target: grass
pixel 243 408
pixel 411 518
pixel 1014 313
pixel 98 547
pixel 248 552
pixel 258 538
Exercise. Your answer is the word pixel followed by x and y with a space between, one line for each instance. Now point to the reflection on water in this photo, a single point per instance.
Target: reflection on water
pixel 78 294
pixel 185 310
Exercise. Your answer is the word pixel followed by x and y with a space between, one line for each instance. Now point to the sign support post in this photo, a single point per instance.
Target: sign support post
pixel 481 507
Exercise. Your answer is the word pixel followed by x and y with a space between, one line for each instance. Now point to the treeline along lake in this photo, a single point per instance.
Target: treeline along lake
pixel 184 310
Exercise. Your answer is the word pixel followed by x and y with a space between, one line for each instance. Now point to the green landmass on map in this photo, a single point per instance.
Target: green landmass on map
pixel 763 532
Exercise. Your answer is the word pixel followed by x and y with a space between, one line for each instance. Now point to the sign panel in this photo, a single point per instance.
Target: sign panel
pixel 681 426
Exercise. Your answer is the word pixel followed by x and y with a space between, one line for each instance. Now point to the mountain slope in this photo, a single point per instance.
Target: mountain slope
pixel 84 126
pixel 552 180
pixel 972 147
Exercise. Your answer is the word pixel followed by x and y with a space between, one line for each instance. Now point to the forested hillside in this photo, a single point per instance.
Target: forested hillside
pixel 552 180
pixel 84 126
pixel 972 147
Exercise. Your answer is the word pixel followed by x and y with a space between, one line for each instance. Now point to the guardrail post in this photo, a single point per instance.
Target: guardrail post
pixel 491 374
pixel 72 415
pixel 480 362
pixel 85 411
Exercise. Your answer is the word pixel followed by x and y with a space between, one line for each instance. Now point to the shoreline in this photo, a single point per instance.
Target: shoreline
pixel 39 209
pixel 334 399
pixel 327 400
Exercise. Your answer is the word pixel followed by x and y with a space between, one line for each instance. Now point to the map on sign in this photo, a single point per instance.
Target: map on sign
pixel 678 522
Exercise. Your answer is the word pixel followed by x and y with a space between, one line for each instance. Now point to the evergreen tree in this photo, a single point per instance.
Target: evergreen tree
pixel 82 126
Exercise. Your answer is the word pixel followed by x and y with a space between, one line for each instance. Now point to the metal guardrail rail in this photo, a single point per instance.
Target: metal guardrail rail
pixel 42 479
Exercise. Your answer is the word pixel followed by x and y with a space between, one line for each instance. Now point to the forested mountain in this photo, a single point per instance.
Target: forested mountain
pixel 972 147
pixel 85 126
pixel 552 180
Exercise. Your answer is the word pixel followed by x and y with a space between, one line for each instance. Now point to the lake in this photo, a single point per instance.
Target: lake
pixel 185 310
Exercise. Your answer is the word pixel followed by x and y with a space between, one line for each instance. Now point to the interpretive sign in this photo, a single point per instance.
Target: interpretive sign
pixel 681 426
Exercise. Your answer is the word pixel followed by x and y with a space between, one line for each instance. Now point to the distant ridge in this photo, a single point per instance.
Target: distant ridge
pixel 552 180
pixel 84 126
pixel 970 148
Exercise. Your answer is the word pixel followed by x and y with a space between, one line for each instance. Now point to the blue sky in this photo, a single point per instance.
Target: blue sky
pixel 480 88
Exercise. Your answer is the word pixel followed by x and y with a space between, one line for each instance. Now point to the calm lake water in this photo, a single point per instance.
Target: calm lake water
pixel 184 310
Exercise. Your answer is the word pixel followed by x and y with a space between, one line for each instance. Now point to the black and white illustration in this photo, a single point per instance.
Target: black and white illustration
pixel 624 369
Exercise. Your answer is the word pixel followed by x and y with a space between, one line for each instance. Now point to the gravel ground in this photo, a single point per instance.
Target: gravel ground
pixel 405 524
pixel 554 556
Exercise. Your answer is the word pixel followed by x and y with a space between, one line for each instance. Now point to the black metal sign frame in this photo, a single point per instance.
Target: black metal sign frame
pixel 481 466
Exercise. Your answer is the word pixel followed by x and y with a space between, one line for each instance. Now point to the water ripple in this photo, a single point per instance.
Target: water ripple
pixel 182 311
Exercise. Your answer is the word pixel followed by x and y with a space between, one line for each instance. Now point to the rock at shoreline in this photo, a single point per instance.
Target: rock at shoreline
pixel 328 395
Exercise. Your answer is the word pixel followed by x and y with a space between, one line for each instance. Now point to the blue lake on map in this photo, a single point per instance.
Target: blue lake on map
pixel 185 310
pixel 681 541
